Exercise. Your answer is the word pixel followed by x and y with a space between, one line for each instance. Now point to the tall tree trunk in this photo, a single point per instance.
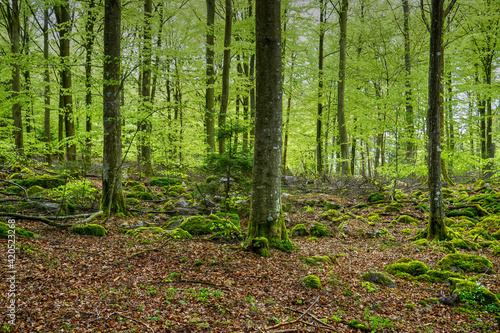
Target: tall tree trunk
pixel 210 77
pixel 344 153
pixel 146 125
pixel 64 25
pixel 287 118
pixel 267 224
pixel 89 45
pixel 46 93
pixel 11 16
pixel 225 75
pixel 437 227
pixel 410 127
pixel 112 200
pixel 319 125
pixel 252 98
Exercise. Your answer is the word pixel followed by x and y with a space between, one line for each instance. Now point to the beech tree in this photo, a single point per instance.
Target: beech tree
pixel 267 224
pixel 344 152
pixel 209 94
pixel 112 200
pixel 225 76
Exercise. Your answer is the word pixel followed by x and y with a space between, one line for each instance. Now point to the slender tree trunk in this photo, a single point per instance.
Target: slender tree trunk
pixel 319 125
pixel 267 224
pixel 89 45
pixel 112 200
pixel 410 127
pixel 437 227
pixel 225 74
pixel 146 125
pixel 252 98
pixel 210 77
pixel 287 118
pixel 341 89
pixel 46 93
pixel 64 25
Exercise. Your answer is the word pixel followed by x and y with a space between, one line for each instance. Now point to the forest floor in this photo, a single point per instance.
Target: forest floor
pixel 79 283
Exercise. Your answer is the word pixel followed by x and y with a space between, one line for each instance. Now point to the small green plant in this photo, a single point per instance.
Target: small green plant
pixel 369 286
pixel 250 299
pixel 336 319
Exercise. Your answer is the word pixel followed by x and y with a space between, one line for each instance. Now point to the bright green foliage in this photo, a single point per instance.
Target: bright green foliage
pixel 19 232
pixel 496 250
pixel 475 232
pixel 234 218
pixel 140 192
pixel 408 266
pixel 375 197
pixel 164 181
pixel 130 183
pixel 319 230
pixel 473 293
pixel 299 230
pixel 89 229
pixel 312 281
pixel 466 262
pixel 178 233
pixel 374 217
pixel 80 192
pixel 315 260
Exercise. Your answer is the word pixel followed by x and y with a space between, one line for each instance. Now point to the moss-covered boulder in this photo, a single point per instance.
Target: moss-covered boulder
pixel 140 192
pixel 164 181
pixel 312 281
pixel 496 250
pixel 260 245
pixel 90 229
pixel 178 233
pixel 380 278
pixel 496 235
pixel 466 263
pixel 479 184
pixel 458 213
pixel 490 223
pixel 197 225
pixel 299 230
pixel 471 291
pixel 437 276
pixel 35 190
pixel 392 209
pixel 130 183
pixel 407 266
pixel 319 230
pixel 316 260
pixel 375 197
pixel 19 232
pixel 374 217
pixel 407 219
pixel 44 181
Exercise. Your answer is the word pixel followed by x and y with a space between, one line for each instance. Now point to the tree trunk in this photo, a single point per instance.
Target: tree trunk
pixel 64 25
pixel 410 127
pixel 344 152
pixel 210 77
pixel 46 93
pixel 267 224
pixel 112 200
pixel 225 75
pixel 89 45
pixel 287 118
pixel 437 227
pixel 146 125
pixel 319 125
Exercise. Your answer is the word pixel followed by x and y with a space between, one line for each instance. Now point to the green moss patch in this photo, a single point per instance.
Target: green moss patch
pixel 19 232
pixel 472 292
pixel 407 266
pixel 407 219
pixel 299 230
pixel 316 260
pixel 312 281
pixel 380 278
pixel 319 230
pixel 178 233
pixel 375 197
pixel 89 229
pixel 164 181
pixel 466 263
pixel 43 181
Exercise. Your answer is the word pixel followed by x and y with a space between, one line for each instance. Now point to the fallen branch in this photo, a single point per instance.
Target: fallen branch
pixel 49 219
pixel 90 218
pixel 296 320
pixel 14 183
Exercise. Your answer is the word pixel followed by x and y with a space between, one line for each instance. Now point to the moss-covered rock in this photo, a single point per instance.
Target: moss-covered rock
pixel 471 291
pixel 164 181
pixel 375 197
pixel 319 230
pixel 474 233
pixel 490 223
pixel 44 181
pixel 421 242
pixel 316 260
pixel 496 235
pixel 130 183
pixel 496 250
pixel 373 217
pixel 197 225
pixel 19 232
pixel 407 219
pixel 312 281
pixel 379 278
pixel 333 213
pixel 89 229
pixel 465 262
pixel 260 245
pixel 35 190
pixel 299 230
pixel 479 184
pixel 178 233
pixel 392 209
pixel 408 266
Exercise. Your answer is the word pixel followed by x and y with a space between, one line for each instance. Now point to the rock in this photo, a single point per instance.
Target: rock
pixel 181 203
pixel 448 300
pixel 381 278
pixel 132 224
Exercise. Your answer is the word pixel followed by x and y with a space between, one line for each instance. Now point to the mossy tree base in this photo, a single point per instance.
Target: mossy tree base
pixel 274 232
pixel 114 205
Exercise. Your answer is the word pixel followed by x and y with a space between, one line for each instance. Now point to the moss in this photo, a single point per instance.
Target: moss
pixel 164 181
pixel 89 229
pixel 197 225
pixel 44 181
pixel 312 239
pixel 423 207
pixel 319 230
pixel 234 218
pixel 412 267
pixel 299 230
pixel 375 197
pixel 15 189
pixel 479 184
pixel 153 230
pixel 462 244
pixel 315 260
pixel 333 213
pixel 178 233
pixel 130 183
pixel 407 219
pixel 358 325
pixel 132 201
pixel 496 235
pixel 406 231
pixel 373 217
pixel 465 262
pixel 260 245
pixel 457 213
pixel 481 211
pixel 34 190
pixel 379 278
pixel 391 209
pixel 478 231
pixel 312 281
pixel 496 250
pixel 468 290
pixel 490 223
pixel 422 242
pixel 19 232
pixel 441 276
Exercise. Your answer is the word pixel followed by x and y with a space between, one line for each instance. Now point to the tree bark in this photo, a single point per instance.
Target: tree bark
pixel 410 127
pixel 266 216
pixel 319 125
pixel 225 76
pixel 437 227
pixel 89 45
pixel 46 92
pixel 344 152
pixel 112 200
pixel 210 77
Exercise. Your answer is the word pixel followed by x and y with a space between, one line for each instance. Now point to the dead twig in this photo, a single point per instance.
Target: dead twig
pixel 296 320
